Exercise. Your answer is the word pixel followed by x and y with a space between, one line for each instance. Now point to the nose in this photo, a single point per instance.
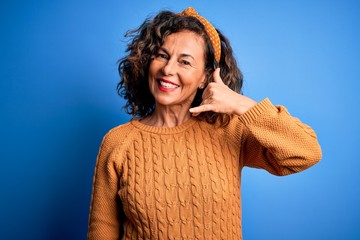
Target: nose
pixel 169 67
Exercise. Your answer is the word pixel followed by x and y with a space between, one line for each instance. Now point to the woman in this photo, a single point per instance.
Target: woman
pixel 173 172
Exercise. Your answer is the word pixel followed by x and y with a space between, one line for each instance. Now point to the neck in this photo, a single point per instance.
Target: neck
pixel 167 117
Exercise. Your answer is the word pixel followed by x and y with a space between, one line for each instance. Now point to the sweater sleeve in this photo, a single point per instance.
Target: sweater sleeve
pixel 277 142
pixel 104 219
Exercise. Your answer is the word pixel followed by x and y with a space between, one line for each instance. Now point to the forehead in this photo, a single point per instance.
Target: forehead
pixel 186 41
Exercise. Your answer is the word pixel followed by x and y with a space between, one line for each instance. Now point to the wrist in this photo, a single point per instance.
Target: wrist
pixel 244 105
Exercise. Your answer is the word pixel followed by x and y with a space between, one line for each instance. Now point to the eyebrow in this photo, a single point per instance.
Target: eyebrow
pixel 181 55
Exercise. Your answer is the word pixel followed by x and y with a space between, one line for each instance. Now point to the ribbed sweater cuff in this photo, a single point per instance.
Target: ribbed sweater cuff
pixel 256 111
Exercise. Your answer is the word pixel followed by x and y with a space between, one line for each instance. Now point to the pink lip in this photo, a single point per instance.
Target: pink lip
pixel 163 89
pixel 167 81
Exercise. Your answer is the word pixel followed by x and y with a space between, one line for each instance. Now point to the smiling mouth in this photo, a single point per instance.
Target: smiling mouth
pixel 167 85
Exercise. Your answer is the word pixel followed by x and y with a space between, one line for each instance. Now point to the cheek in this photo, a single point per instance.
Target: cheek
pixel 151 68
pixel 192 77
pixel 154 67
pixel 194 81
pixel 151 73
pixel 151 83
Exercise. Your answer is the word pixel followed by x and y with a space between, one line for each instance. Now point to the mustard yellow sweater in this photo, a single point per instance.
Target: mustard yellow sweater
pixel 184 182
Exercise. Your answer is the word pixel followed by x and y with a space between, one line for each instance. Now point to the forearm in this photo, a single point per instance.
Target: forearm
pixel 278 142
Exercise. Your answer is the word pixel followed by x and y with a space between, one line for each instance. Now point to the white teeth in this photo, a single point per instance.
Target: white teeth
pixel 167 85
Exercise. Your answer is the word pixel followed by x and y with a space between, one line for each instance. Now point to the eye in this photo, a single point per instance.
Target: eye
pixel 162 56
pixel 184 62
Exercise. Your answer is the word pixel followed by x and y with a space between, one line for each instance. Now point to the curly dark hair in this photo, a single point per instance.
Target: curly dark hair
pixel 146 40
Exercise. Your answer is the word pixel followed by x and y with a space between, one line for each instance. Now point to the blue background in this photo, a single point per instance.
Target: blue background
pixel 58 77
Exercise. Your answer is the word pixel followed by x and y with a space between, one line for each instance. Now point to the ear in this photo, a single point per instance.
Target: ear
pixel 206 80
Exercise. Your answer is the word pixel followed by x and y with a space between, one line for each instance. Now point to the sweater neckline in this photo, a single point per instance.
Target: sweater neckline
pixel 163 130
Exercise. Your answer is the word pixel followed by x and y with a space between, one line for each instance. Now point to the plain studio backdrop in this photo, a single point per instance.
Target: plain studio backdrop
pixel 58 99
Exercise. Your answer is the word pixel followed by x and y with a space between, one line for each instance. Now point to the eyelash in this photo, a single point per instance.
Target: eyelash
pixel 161 55
pixel 185 62
pixel 165 56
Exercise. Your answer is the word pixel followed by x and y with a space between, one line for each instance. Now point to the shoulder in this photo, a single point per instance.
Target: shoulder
pixel 117 135
pixel 113 145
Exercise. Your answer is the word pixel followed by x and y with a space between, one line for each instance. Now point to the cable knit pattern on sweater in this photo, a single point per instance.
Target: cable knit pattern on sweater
pixel 184 182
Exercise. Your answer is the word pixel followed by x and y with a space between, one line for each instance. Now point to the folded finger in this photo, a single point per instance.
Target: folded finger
pixel 201 108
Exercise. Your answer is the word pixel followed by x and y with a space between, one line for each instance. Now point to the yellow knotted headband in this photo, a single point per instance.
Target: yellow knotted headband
pixel 210 30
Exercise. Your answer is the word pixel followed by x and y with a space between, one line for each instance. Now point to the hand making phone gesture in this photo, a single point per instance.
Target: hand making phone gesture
pixel 218 97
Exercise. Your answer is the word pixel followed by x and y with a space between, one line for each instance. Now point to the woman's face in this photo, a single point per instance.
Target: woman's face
pixel 178 69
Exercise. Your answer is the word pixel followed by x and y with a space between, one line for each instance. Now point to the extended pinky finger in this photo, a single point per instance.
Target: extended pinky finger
pixel 201 108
